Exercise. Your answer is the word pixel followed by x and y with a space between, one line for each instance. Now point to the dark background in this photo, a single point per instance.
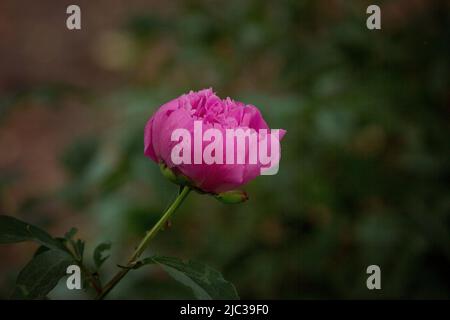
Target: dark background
pixel 364 177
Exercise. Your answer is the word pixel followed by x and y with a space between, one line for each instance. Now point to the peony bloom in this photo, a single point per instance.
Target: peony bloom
pixel 206 110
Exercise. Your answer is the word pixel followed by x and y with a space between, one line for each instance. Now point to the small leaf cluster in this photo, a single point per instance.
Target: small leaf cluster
pixel 51 259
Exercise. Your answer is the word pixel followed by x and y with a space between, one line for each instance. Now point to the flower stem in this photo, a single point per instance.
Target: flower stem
pixel 144 243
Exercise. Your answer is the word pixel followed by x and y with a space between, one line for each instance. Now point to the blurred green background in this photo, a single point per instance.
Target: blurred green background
pixel 364 177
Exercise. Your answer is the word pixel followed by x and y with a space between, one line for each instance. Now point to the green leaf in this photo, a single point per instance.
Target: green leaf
pixel 205 282
pixel 70 234
pixel 40 250
pixel 41 274
pixel 79 246
pixel 99 257
pixel 13 230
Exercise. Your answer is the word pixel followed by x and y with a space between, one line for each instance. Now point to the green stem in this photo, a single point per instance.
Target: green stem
pixel 144 243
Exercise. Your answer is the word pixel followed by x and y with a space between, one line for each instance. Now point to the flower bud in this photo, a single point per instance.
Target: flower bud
pixel 234 196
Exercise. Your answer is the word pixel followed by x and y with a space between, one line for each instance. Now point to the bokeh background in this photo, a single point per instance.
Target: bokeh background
pixel 365 172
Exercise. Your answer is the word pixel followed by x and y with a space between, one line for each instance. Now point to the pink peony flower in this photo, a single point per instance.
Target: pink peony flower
pixel 205 109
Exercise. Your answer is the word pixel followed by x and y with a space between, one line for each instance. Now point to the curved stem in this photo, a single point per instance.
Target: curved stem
pixel 144 243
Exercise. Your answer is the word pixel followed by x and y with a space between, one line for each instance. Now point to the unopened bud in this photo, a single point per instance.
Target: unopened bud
pixel 234 196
